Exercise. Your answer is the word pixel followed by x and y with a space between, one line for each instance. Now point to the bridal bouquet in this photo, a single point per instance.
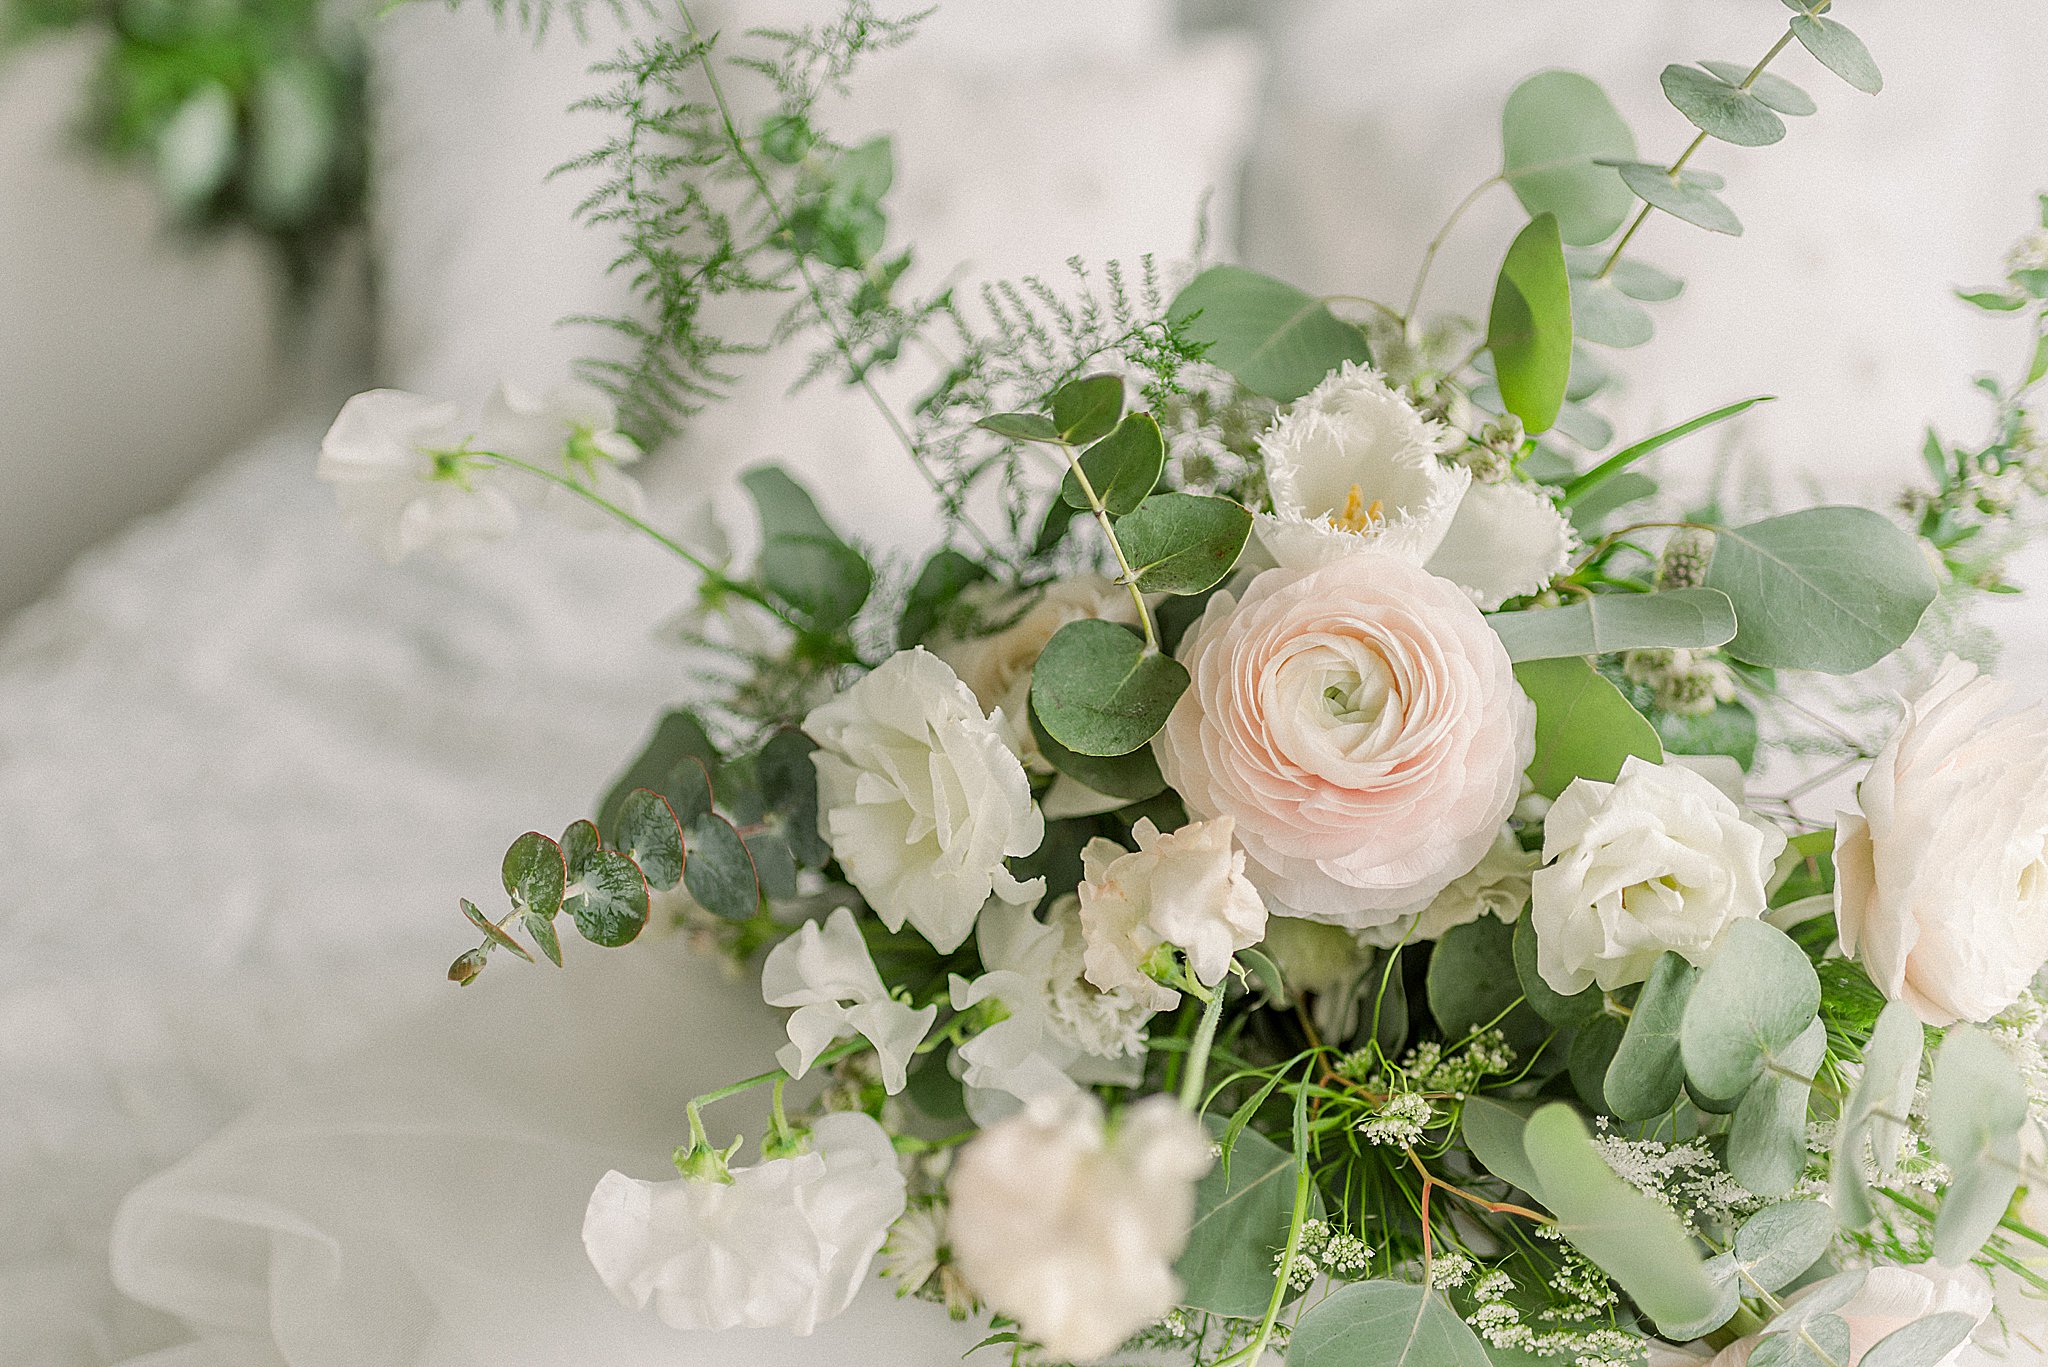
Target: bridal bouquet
pixel 1314 861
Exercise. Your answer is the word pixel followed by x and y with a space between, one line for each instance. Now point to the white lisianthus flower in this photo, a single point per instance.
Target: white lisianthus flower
pixel 1659 859
pixel 1186 889
pixel 570 430
pixel 1071 1226
pixel 785 1244
pixel 1506 540
pixel 1352 464
pixel 1942 870
pixel 405 481
pixel 921 800
pixel 829 977
pixel 1498 887
pixel 1890 1299
pixel 1057 1029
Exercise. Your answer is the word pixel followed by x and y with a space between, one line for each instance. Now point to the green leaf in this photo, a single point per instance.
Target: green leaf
pixel 1122 468
pixel 1132 777
pixel 1529 330
pixel 1778 1243
pixel 1830 588
pixel 1593 1048
pixel 1472 985
pixel 937 588
pixel 1243 1209
pixel 649 835
pixel 491 931
pixel 674 762
pixel 1384 1324
pixel 1556 130
pixel 1584 727
pixel 580 843
pixel 1730 729
pixel 2038 367
pixel 1631 1238
pixel 542 929
pixel 789 784
pixel 1993 301
pixel 1885 1088
pixel 1493 1130
pixel 1602 313
pixel 1647 1074
pixel 1099 691
pixel 534 873
pixel 720 872
pixel 1976 1107
pixel 1720 109
pixel 1923 1343
pixel 1274 339
pixel 1629 455
pixel 1750 1005
pixel 1591 513
pixel 1689 195
pixel 1636 279
pixel 1544 999
pixel 1767 1137
pixel 1183 543
pixel 1676 619
pixel 1839 50
pixel 1020 426
pixel 774 864
pixel 1822 1341
pixel 803 562
pixel 1086 409
pixel 1773 90
pixel 608 901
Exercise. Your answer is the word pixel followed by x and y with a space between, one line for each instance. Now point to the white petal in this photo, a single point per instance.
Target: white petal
pixel 1506 540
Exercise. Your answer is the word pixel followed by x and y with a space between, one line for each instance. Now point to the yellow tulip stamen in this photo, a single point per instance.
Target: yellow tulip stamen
pixel 1358 515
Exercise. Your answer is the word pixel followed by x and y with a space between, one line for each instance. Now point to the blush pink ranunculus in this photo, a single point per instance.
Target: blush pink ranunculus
pixel 1361 724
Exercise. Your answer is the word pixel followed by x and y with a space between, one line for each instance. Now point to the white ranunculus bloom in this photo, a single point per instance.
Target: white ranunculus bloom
pixel 1506 540
pixel 1186 888
pixel 1058 1029
pixel 1891 1298
pixel 785 1244
pixel 569 430
pixel 398 469
pixel 920 798
pixel 1352 464
pixel 1942 870
pixel 1659 859
pixel 1071 1226
pixel 829 977
pixel 1498 887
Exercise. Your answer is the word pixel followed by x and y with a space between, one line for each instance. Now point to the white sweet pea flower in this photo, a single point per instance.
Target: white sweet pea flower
pixel 1352 464
pixel 783 1244
pixel 1057 1029
pixel 830 978
pixel 1659 859
pixel 1186 889
pixel 1506 540
pixel 920 798
pixel 570 430
pixel 405 482
pixel 1071 1226
pixel 1498 886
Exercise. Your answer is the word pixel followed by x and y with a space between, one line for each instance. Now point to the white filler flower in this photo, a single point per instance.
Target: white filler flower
pixel 920 798
pixel 830 978
pixel 1942 870
pixel 570 430
pixel 1071 1226
pixel 785 1244
pixel 400 473
pixel 1659 859
pixel 1186 889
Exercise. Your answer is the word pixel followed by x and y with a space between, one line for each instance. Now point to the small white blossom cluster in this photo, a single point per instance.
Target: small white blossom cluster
pixel 1497 1319
pixel 1689 683
pixel 1429 1068
pixel 1399 1122
pixel 1452 1269
pixel 2030 253
pixel 1324 1251
pixel 1686 1178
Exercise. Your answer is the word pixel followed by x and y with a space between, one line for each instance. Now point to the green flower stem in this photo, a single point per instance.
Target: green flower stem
pixel 1613 257
pixel 1249 1355
pixel 1436 245
pixel 1126 576
pixel 856 373
pixel 715 577
pixel 1198 1052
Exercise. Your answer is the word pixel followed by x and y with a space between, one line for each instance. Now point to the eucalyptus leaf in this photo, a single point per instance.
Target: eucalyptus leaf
pixel 1676 619
pixel 937 588
pixel 608 900
pixel 789 784
pixel 1545 1000
pixel 580 844
pixel 674 761
pixel 534 874
pixel 1767 1137
pixel 1183 543
pixel 1819 1342
pixel 1602 313
pixel 1976 1107
pixel 649 834
pixel 720 872
pixel 1021 426
pixel 1556 129
pixel 1773 90
pixel 1472 984
pixel 1883 1092
pixel 1132 777
pixel 1829 588
pixel 1648 1075
pixel 1086 409
pixel 491 931
pixel 1591 1056
pixel 1590 513
pixel 1750 1005
pixel 1384 1324
pixel 1839 50
pixel 1273 338
pixel 1730 729
pixel 1721 1270
pixel 803 561
pixel 1099 691
pixel 1634 278
pixel 1122 468
pixel 1243 1210
pixel 1583 426
pixel 1720 109
pixel 1584 727
pixel 1493 1129
pixel 1529 328
pixel 1780 1242
pixel 1925 1342
pixel 1688 195
pixel 542 929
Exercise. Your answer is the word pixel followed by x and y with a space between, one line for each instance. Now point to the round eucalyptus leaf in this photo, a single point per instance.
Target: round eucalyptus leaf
pixel 1721 1269
pixel 1976 1107
pixel 579 843
pixel 1839 50
pixel 608 901
pixel 1720 110
pixel 1585 728
pixel 1602 313
pixel 1772 89
pixel 1779 1242
pixel 1591 1056
pixel 1493 1130
pixel 1820 1342
pixel 1750 1005
pixel 1556 129
pixel 719 871
pixel 1647 1075
pixel 1087 409
pixel 1122 468
pixel 1767 1137
pixel 649 834
pixel 534 874
pixel 1272 338
pixel 1384 1324
pixel 1923 1343
pixel 1544 999
pixel 1243 1209
pixel 1688 195
pixel 1472 984
pixel 1183 543
pixel 1099 691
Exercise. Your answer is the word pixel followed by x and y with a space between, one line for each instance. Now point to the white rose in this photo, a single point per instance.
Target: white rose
pixel 785 1244
pixel 1072 1227
pixel 1352 464
pixel 1941 883
pixel 570 430
pixel 1186 889
pixel 1890 1299
pixel 1498 887
pixel 829 978
pixel 1659 859
pixel 920 798
pixel 399 473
